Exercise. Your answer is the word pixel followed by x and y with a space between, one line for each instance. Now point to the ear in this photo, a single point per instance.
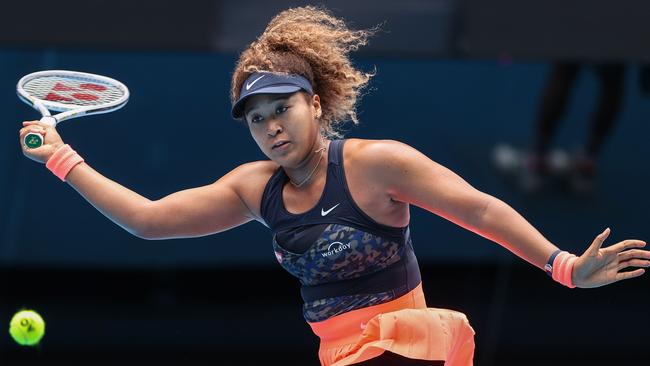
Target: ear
pixel 315 103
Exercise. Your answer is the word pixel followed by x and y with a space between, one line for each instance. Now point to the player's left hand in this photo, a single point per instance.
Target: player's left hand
pixel 602 266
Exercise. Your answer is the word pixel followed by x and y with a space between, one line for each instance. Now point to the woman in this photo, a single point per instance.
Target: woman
pixel 338 209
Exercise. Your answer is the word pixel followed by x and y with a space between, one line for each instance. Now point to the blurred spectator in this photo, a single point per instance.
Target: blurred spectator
pixel 580 169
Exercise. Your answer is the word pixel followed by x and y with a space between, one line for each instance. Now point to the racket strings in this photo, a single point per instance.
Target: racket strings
pixel 73 91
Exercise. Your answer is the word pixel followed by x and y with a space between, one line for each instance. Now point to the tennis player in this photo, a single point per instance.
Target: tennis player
pixel 338 209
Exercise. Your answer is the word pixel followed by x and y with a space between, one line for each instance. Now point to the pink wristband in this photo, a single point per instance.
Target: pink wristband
pixel 62 161
pixel 563 268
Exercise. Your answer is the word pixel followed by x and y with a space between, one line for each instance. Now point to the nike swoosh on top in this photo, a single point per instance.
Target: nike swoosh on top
pixel 248 85
pixel 324 213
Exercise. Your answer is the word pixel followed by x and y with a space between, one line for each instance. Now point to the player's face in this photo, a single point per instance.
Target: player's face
pixel 272 118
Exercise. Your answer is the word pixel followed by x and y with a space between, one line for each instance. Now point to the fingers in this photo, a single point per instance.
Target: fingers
pixel 627 244
pixel 598 242
pixel 30 123
pixel 627 275
pixel 632 254
pixel 31 128
pixel 37 123
pixel 634 263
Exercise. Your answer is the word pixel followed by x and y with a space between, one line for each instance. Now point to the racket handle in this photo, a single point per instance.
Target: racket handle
pixel 33 139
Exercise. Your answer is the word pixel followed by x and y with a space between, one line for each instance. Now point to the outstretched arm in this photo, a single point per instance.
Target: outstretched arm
pixel 188 213
pixel 193 212
pixel 412 177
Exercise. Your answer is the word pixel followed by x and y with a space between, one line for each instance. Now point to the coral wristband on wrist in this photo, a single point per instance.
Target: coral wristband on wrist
pixel 560 267
pixel 62 161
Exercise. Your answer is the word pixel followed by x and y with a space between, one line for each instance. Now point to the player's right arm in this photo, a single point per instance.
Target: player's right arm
pixel 188 213
pixel 229 202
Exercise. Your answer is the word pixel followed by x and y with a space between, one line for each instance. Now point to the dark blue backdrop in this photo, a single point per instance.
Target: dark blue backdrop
pixel 453 111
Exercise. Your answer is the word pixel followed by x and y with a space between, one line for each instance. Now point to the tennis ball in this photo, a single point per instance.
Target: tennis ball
pixel 27 327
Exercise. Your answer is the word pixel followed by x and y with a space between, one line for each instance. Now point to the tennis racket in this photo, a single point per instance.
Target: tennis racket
pixel 72 93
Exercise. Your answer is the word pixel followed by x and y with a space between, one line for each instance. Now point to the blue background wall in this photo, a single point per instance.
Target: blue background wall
pixel 454 79
pixel 453 111
pixel 197 300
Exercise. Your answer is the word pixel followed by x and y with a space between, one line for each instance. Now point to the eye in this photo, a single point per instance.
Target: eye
pixel 281 109
pixel 256 119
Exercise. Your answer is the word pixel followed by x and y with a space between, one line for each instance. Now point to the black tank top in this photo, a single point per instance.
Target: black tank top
pixel 344 259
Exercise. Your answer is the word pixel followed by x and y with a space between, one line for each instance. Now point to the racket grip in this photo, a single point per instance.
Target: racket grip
pixel 33 139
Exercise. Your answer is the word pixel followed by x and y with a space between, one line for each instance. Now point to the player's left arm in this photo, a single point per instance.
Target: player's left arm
pixel 410 176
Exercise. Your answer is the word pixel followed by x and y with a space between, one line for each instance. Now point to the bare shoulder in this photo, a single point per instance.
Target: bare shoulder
pixel 249 181
pixel 376 154
pixel 389 163
pixel 255 168
pixel 367 169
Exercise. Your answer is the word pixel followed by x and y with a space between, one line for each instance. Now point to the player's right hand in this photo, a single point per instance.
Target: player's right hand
pixel 51 141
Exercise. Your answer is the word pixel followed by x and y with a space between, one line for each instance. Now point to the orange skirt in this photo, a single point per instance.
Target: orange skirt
pixel 404 326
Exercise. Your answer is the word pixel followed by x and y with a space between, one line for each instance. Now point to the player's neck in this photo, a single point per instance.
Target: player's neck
pixel 313 170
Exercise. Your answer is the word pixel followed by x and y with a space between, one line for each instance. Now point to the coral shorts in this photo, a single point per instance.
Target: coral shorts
pixel 404 326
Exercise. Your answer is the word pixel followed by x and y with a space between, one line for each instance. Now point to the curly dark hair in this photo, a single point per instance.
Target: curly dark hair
pixel 311 42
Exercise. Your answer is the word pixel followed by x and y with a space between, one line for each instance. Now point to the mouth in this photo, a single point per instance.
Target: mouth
pixel 279 144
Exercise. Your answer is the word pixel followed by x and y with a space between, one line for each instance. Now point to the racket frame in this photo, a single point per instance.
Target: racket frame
pixel 69 111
